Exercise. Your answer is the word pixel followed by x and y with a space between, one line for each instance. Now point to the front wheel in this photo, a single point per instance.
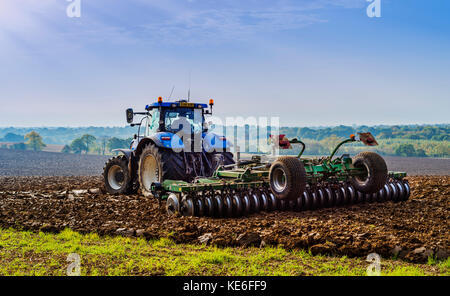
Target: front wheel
pixel 117 176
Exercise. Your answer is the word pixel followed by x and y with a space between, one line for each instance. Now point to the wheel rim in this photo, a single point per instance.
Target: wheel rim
pixel 150 173
pixel 115 177
pixel 279 180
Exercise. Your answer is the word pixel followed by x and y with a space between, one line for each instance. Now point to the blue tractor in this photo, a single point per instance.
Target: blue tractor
pixel 173 143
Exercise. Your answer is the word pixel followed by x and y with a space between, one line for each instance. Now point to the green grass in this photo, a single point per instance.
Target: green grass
pixel 28 253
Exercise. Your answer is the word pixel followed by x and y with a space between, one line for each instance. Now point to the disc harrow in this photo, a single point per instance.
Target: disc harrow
pixel 287 184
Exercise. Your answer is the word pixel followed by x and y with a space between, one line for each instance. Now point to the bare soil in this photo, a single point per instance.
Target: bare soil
pixel 412 230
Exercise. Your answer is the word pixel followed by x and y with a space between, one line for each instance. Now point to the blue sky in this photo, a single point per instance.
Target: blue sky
pixel 312 63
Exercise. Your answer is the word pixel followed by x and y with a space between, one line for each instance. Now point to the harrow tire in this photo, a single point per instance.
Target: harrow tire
pixel 117 176
pixel 377 172
pixel 287 178
pixel 165 163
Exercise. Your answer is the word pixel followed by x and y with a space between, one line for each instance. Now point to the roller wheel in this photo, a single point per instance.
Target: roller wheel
pixel 361 197
pixel 375 172
pixel 282 205
pixel 287 178
pixel 381 195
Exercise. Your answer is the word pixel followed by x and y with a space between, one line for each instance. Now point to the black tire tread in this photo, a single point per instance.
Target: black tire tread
pixel 296 177
pixel 378 172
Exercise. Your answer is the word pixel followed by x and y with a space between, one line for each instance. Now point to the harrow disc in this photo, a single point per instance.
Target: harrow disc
pixel 255 202
pixel 187 207
pixel 273 202
pixel 199 208
pixel 381 195
pixel 322 198
pixel 237 206
pixel 330 197
pixel 228 206
pixel 388 191
pixel 401 190
pixel 352 193
pixel 315 200
pixel 345 195
pixel 339 197
pixel 172 204
pixel 218 206
pixel 246 204
pixel 209 206
pixel 407 188
pixel 307 200
pixel 282 205
pixel 368 197
pixel 300 203
pixel 361 197
pixel 292 205
pixel 264 202
pixel 395 192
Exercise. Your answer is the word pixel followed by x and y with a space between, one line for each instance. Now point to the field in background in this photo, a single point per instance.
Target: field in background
pixel 37 163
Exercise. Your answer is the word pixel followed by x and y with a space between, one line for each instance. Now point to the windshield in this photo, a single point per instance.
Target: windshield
pixel 186 119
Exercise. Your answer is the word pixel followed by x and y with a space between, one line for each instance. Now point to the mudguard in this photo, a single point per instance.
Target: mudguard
pixel 126 152
pixel 167 140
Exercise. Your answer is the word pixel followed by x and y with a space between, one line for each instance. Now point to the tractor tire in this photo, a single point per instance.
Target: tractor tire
pixel 219 158
pixel 158 164
pixel 287 178
pixel 376 172
pixel 117 177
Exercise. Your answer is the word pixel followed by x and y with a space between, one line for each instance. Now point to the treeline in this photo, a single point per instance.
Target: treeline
pixel 90 144
pixel 31 141
pixel 406 132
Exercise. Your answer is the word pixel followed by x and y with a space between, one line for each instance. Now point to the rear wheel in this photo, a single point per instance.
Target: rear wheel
pixel 117 176
pixel 375 172
pixel 287 178
pixel 159 164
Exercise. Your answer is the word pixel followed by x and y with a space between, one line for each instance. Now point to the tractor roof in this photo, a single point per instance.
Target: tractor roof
pixel 183 103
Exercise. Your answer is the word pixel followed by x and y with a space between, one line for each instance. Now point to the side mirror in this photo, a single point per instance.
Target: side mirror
pixel 130 115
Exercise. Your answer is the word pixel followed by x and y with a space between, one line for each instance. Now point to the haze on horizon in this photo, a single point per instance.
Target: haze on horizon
pixel 312 63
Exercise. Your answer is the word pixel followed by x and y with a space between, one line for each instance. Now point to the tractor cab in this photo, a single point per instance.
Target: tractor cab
pixel 176 117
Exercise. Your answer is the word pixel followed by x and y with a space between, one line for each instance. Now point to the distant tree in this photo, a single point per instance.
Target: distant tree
pixel 18 146
pixel 77 146
pixel 34 141
pixel 405 150
pixel 421 153
pixel 116 143
pixel 88 140
pixel 66 149
pixel 103 142
pixel 11 137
